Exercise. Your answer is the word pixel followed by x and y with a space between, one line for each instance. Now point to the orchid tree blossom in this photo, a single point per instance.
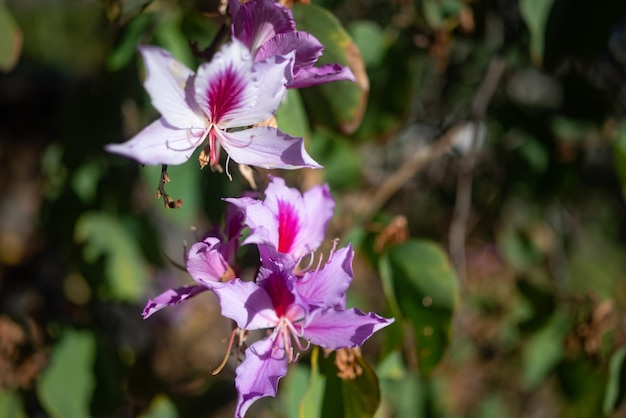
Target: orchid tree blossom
pixel 287 221
pixel 278 303
pixel 219 105
pixel 268 29
pixel 207 265
pixel 209 262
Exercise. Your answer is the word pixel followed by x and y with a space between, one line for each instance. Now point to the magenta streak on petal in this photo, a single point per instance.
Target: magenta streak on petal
pixel 212 151
pixel 225 93
pixel 282 298
pixel 288 226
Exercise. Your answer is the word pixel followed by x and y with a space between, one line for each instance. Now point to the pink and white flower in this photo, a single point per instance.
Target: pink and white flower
pixel 268 29
pixel 298 312
pixel 218 105
pixel 287 221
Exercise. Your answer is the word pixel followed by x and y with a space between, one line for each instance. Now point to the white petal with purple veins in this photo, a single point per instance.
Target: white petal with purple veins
pixel 160 143
pixel 223 87
pixel 165 83
pixel 268 148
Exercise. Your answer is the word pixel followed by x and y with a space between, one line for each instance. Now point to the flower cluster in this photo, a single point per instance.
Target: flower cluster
pixel 226 104
pixel 297 307
pixel 227 101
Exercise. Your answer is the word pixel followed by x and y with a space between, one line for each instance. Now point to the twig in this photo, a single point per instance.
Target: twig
pixel 208 52
pixel 463 203
pixel 374 200
pixel 161 193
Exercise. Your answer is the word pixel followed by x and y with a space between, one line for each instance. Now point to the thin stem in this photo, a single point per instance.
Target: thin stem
pixel 161 193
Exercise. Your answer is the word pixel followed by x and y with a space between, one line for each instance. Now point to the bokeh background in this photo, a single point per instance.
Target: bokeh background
pixel 479 168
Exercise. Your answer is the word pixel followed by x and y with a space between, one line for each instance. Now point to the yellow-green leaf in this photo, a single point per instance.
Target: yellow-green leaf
pixel 66 386
pixel 427 291
pixel 10 40
pixel 340 104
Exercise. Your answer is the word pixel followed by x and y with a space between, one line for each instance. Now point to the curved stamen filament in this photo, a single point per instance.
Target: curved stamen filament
pixel 319 265
pixel 332 250
pixel 301 270
pixel 287 331
pixel 192 145
pixel 227 170
pixel 297 335
pixel 287 344
pixel 225 360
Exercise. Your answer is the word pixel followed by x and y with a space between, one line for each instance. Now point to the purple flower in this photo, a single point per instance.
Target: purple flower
pixel 218 104
pixel 268 29
pixel 287 221
pixel 310 308
pixel 207 264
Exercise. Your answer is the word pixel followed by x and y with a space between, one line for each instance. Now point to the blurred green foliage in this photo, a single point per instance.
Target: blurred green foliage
pixel 523 316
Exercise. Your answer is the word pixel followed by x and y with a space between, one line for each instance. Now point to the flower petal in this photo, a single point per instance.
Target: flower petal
pixel 160 143
pixel 224 88
pixel 257 21
pixel 312 76
pixel 320 206
pixel 268 148
pixel 306 46
pixel 165 82
pixel 205 262
pixel 171 297
pixel 247 304
pixel 262 222
pixel 327 287
pixel 234 6
pixel 258 375
pixel 335 329
pixel 271 78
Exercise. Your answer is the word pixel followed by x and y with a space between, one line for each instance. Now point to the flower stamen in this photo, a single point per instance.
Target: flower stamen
pixel 227 356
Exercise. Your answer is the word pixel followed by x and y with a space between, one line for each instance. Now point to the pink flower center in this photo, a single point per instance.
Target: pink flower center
pixel 282 298
pixel 288 226
pixel 225 94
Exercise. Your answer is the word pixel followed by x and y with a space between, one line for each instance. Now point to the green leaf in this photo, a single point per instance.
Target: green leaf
pixel 123 10
pixel 340 104
pixel 543 351
pixel 404 393
pixel 126 48
pixel 616 385
pixel 169 34
pixel 331 396
pixel 125 271
pixel 619 155
pixel 361 395
pixel 394 335
pixel 438 12
pixel 535 154
pixel 293 388
pixel 11 405
pixel 10 40
pixel 427 291
pixel 535 13
pixel 582 384
pixel 342 163
pixel 370 40
pixel 66 386
pixel 518 249
pixel 310 406
pixel 291 116
pixel 85 180
pixel 160 407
